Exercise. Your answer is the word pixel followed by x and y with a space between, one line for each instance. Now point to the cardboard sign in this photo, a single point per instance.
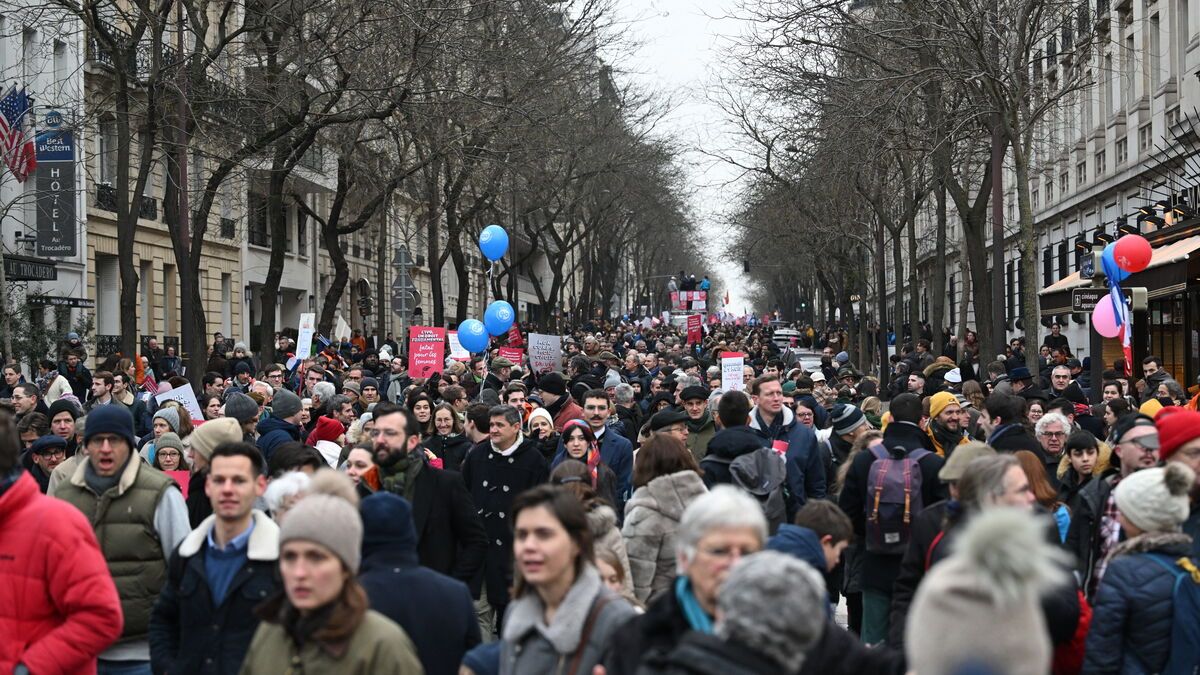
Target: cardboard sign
pixel 512 354
pixel 425 346
pixel 185 397
pixel 304 338
pixel 457 351
pixel 733 376
pixel 545 353
pixel 695 329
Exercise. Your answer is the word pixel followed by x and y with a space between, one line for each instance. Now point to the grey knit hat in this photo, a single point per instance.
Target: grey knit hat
pixel 285 404
pixel 1156 500
pixel 328 516
pixel 847 418
pixel 171 416
pixel 169 440
pixel 240 407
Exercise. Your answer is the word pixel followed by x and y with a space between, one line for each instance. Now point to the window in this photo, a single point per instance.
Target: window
pixel 1171 118
pixel 170 284
pixel 1154 52
pixel 227 304
pixel 1122 148
pixel 108 302
pixel 1034 198
pixel 1106 88
pixel 108 151
pixel 1081 174
pixel 1064 183
pixel 1048 266
pixel 256 217
pixel 1063 270
pixel 1145 137
pixel 1049 191
pixel 301 231
pixel 1101 163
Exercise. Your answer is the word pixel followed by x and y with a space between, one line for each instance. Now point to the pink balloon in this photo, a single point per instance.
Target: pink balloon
pixel 1104 321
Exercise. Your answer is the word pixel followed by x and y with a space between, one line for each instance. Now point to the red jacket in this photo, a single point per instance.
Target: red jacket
pixel 569 411
pixel 60 609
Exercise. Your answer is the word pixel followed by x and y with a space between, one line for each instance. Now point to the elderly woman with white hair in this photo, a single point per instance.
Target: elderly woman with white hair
pixel 717 529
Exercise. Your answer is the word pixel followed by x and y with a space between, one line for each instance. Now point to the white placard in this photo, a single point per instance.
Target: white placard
pixel 186 397
pixel 304 338
pixel 545 353
pixel 733 377
pixel 342 330
pixel 457 351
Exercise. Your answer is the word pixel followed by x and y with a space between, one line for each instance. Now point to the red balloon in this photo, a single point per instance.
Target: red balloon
pixel 1132 253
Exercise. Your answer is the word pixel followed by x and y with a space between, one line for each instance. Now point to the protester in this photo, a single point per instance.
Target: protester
pixel 321 623
pixel 777 426
pixel 219 573
pixel 60 607
pixel 1179 434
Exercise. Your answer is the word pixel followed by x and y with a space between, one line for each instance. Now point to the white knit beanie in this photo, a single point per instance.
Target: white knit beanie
pixel 1156 500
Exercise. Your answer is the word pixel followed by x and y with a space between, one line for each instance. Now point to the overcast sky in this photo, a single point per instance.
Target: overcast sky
pixel 678 56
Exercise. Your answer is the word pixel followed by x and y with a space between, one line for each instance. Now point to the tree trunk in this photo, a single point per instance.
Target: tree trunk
pixel 269 293
pixel 881 303
pixel 1027 247
pixel 897 276
pixel 938 282
pixel 914 291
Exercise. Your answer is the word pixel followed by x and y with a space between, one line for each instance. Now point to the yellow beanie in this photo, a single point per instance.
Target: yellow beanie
pixel 1150 408
pixel 939 401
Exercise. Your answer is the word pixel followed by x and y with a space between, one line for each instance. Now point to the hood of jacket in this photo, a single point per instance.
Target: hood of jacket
pixel 906 435
pixel 799 542
pixel 272 423
pixel 1170 543
pixel 734 442
pixel 784 420
pixel 669 494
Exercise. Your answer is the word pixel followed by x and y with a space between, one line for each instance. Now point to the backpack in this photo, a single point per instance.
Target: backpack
pixel 762 474
pixel 1185 615
pixel 894 498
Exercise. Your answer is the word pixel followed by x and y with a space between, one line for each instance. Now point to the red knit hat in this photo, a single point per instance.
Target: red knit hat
pixel 327 429
pixel 1176 427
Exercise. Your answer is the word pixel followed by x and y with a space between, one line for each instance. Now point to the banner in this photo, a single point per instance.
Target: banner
pixel 695 329
pixel 513 354
pixel 733 376
pixel 514 337
pixel 687 301
pixel 304 338
pixel 545 353
pixel 457 351
pixel 185 397
pixel 425 348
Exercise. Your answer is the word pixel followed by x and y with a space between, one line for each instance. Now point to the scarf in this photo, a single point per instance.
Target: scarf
pixel 945 439
pixel 399 475
pixel 697 618
pixel 101 484
pixel 694 426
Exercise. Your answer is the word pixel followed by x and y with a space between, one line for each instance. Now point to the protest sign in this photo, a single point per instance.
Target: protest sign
pixel 695 329
pixel 545 353
pixel 304 338
pixel 733 376
pixel 185 397
pixel 425 348
pixel 511 353
pixel 514 336
pixel 181 479
pixel 457 351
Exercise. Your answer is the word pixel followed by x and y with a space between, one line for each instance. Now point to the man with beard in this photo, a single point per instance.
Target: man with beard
pixel 397 380
pixel 498 374
pixel 450 535
pixel 945 424
pixel 495 472
pixel 700 422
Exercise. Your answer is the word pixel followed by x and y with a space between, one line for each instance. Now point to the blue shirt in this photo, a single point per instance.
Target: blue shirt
pixel 222 564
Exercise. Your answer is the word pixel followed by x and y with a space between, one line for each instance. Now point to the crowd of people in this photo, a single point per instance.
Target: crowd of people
pixel 625 514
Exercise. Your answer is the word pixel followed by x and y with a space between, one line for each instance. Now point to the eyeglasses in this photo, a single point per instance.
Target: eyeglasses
pixel 1054 434
pixel 390 433
pixel 168 453
pixel 52 452
pixel 726 552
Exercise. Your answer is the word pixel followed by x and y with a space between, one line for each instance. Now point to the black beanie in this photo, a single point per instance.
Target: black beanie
pixel 553 383
pixel 62 405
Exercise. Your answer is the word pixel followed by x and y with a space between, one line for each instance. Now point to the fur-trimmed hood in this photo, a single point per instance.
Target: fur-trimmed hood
pixel 1171 543
pixel 601 519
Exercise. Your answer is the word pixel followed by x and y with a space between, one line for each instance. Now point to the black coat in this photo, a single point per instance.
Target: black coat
pixel 728 444
pixel 1012 438
pixel 187 633
pixel 494 481
pixel 649 636
pixel 1083 535
pixel 879 571
pixel 450 536
pixel 703 654
pixel 452 450
pixel 436 611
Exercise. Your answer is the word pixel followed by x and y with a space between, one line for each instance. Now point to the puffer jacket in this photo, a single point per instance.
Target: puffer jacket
pixel 60 608
pixel 274 432
pixel 651 521
pixel 602 521
pixel 1131 619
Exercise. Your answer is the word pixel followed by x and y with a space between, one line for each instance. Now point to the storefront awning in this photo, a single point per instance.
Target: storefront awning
pixel 1167 273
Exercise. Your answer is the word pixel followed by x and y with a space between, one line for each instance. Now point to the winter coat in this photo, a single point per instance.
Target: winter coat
pixel 567 410
pixel 274 432
pixel 1014 437
pixel 704 654
pixel 436 611
pixel 1133 610
pixel 494 480
pixel 60 607
pixel 631 421
pixel 607 485
pixel 530 646
pixel 651 521
pixel 879 571
pixel 1191 527
pixel 700 434
pixel 805 472
pixel 1083 536
pixel 377 647
pixel 452 450
pixel 648 636
pixel 602 521
pixel 181 640
pixel 728 444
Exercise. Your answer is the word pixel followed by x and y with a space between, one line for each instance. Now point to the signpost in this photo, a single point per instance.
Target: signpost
pixel 23 268
pixel 1086 299
pixel 57 231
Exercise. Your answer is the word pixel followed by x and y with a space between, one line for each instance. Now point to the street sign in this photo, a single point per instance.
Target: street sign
pixel 402 302
pixel 1086 299
pixel 402 258
pixel 23 268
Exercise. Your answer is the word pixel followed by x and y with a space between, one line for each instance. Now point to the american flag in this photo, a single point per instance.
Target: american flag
pixel 16 138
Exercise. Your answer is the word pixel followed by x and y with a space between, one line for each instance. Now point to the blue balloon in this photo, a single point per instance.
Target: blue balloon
pixel 499 317
pixel 493 242
pixel 1109 263
pixel 473 336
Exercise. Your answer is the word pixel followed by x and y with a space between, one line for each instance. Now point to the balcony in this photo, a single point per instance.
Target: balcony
pixel 106 200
